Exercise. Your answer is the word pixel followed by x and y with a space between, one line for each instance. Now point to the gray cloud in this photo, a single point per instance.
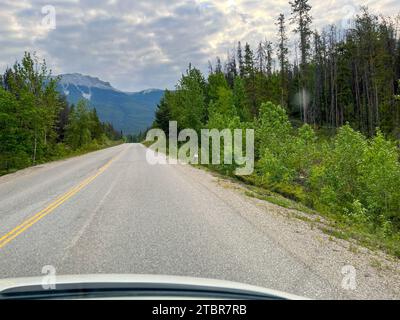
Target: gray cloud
pixel 140 44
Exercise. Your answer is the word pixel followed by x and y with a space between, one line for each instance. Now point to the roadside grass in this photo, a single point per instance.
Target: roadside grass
pixel 334 225
pixel 66 154
pixel 337 226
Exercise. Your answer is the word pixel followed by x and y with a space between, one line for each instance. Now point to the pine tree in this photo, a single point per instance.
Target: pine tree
pixel 240 60
pixel 302 18
pixel 62 120
pixel 218 66
pixel 96 130
pixel 240 100
pixel 231 69
pixel 261 58
pixel 163 113
pixel 250 79
pixel 283 52
pixel 268 57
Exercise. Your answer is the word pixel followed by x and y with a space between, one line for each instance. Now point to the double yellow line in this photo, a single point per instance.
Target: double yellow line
pixel 51 207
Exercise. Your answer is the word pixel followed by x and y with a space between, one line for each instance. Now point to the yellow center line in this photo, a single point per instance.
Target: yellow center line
pixel 42 211
pixel 51 207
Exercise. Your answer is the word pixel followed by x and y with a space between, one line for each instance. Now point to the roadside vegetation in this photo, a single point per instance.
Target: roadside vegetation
pixel 326 125
pixel 38 125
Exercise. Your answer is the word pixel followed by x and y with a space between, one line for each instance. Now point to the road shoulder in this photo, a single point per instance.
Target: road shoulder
pixel 377 275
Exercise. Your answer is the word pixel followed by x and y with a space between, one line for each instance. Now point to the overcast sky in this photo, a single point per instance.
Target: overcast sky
pixel 147 44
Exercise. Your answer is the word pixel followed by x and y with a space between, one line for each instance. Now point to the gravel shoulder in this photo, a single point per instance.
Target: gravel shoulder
pixel 377 274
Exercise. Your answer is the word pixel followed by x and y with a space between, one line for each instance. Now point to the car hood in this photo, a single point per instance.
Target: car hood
pixel 28 287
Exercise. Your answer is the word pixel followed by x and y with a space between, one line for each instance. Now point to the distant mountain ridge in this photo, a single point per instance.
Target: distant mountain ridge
pixel 130 112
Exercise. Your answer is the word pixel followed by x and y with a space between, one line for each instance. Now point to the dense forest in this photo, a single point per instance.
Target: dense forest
pixel 326 118
pixel 336 76
pixel 36 122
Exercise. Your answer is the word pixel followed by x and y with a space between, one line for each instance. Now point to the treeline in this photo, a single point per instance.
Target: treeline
pixel 347 174
pixel 330 77
pixel 352 173
pixel 37 124
pixel 137 137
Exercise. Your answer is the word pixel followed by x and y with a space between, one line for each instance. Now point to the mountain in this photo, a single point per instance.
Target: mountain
pixel 130 112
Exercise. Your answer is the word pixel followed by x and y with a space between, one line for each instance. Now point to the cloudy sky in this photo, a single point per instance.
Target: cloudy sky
pixel 138 44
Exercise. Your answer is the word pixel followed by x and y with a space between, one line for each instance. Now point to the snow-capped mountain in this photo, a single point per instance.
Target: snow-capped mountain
pixel 78 79
pixel 130 112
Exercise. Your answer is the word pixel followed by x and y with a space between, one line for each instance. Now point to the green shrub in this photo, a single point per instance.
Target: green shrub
pixel 59 150
pixel 358 213
pixel 272 169
pixel 336 180
pixel 304 153
pixel 380 179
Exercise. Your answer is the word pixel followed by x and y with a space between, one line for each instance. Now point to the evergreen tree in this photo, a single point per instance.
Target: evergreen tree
pixel 250 79
pixel 241 101
pixel 302 19
pixel 231 69
pixel 163 113
pixel 63 116
pixel 261 58
pixel 268 57
pixel 283 52
pixel 240 60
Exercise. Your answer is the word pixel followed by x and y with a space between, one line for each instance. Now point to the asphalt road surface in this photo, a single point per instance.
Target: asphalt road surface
pixel 111 212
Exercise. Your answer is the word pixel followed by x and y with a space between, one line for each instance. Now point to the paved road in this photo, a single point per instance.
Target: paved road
pixel 131 217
